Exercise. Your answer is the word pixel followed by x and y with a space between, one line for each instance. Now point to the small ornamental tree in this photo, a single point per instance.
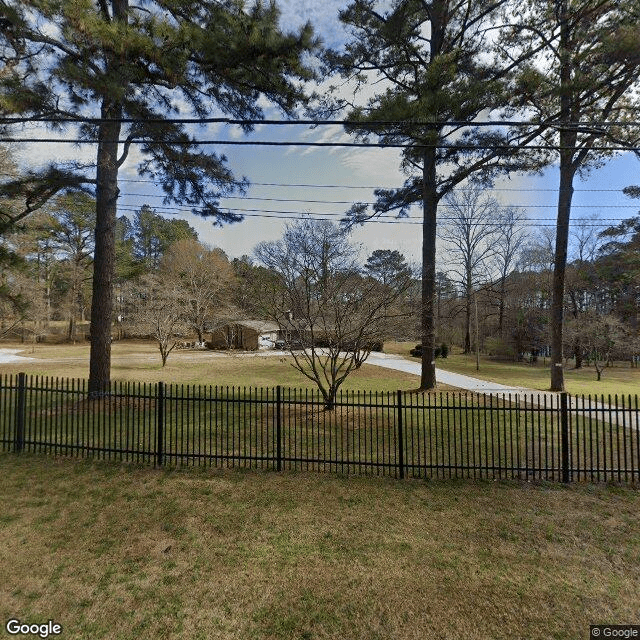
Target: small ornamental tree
pixel 602 337
pixel 157 311
pixel 331 313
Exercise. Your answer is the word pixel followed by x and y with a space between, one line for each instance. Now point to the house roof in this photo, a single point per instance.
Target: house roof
pixel 258 325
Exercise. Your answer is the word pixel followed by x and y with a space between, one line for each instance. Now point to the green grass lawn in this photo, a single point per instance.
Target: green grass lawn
pixel 111 551
pixel 444 435
pixel 138 360
pixel 619 379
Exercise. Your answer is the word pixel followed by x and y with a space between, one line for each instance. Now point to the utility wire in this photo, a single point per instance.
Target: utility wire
pixel 316 123
pixel 292 143
pixel 302 215
pixel 441 205
pixel 345 186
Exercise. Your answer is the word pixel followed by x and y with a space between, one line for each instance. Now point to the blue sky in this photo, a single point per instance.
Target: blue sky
pixel 359 169
pixel 601 193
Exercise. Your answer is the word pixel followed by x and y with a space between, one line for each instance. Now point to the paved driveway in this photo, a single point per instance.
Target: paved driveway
pixel 599 411
pixel 398 363
pixel 8 356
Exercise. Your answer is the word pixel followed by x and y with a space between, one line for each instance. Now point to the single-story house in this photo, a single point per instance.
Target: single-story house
pixel 249 335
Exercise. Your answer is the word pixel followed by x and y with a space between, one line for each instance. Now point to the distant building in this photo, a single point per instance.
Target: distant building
pixel 250 335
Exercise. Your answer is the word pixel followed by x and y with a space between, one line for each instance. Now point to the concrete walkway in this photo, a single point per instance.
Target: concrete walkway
pixel 598 410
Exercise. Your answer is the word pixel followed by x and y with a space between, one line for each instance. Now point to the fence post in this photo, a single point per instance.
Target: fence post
pixel 160 424
pixel 279 428
pixel 20 412
pixel 564 422
pixel 400 435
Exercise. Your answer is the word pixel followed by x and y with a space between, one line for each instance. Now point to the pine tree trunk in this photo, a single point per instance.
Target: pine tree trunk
pixel 430 210
pixel 430 199
pixel 559 269
pixel 104 252
pixel 567 171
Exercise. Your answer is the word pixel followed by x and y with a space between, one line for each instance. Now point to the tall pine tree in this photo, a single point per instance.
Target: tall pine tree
pixel 581 76
pixel 434 63
pixel 109 60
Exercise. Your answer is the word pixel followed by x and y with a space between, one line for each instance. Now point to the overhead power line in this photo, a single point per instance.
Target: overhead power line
pixel 295 143
pixel 330 215
pixel 317 123
pixel 342 186
pixel 443 205
pixel 345 186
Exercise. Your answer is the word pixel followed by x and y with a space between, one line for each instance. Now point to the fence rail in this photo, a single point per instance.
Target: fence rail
pixel 401 434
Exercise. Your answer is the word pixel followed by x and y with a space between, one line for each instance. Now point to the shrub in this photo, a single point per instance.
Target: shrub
pixel 499 348
pixel 439 352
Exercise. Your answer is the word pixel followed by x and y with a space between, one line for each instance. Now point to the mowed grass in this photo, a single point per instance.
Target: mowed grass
pixel 619 379
pixel 119 552
pixel 138 360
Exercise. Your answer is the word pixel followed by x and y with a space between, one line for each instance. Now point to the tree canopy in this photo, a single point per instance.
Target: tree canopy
pixel 388 266
pixel 131 68
pixel 435 70
pixel 582 61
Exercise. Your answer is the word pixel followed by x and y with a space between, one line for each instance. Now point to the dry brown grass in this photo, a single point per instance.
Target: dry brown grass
pixel 140 361
pixel 127 553
pixel 618 379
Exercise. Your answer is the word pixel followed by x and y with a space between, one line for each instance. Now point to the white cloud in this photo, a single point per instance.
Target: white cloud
pixel 34 154
pixel 377 165
pixel 322 15
pixel 235 132
pixel 129 169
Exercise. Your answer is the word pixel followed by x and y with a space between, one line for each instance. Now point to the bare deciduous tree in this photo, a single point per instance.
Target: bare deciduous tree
pixel 331 313
pixel 206 279
pixel 158 312
pixel 468 230
pixel 579 276
pixel 510 239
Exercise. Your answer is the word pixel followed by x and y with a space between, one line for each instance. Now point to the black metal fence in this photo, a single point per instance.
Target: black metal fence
pixel 445 435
